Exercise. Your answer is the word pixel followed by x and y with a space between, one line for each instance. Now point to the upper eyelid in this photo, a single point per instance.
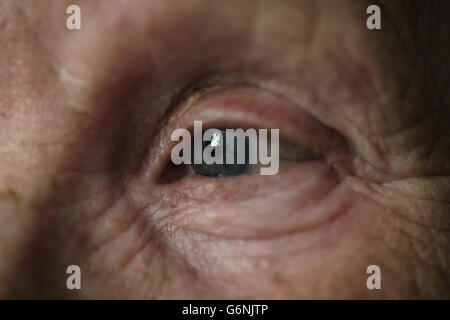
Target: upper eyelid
pixel 199 87
pixel 294 119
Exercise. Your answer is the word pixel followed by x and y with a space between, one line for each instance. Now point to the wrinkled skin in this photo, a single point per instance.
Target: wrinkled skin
pixel 85 122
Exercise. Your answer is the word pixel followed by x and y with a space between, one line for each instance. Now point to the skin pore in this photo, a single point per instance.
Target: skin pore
pixel 85 124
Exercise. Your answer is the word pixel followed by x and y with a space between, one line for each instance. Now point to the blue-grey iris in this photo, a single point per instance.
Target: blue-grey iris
pixel 221 170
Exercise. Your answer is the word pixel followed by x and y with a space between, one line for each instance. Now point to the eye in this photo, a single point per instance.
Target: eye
pixel 219 143
pixel 233 152
pixel 236 201
pixel 302 140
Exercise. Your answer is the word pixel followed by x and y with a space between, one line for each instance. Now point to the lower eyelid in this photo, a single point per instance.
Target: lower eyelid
pixel 243 207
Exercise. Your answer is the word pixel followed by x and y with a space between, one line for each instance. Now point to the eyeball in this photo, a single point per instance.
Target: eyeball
pixel 218 143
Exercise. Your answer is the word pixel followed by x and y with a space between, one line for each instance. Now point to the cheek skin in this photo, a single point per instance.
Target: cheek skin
pixel 234 260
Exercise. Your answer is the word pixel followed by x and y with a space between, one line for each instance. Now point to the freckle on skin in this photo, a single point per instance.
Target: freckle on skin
pixel 9 195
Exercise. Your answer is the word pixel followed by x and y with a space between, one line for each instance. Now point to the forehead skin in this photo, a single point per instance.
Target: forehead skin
pixel 60 90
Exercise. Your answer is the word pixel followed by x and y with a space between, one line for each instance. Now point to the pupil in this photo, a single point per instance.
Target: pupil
pixel 221 170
